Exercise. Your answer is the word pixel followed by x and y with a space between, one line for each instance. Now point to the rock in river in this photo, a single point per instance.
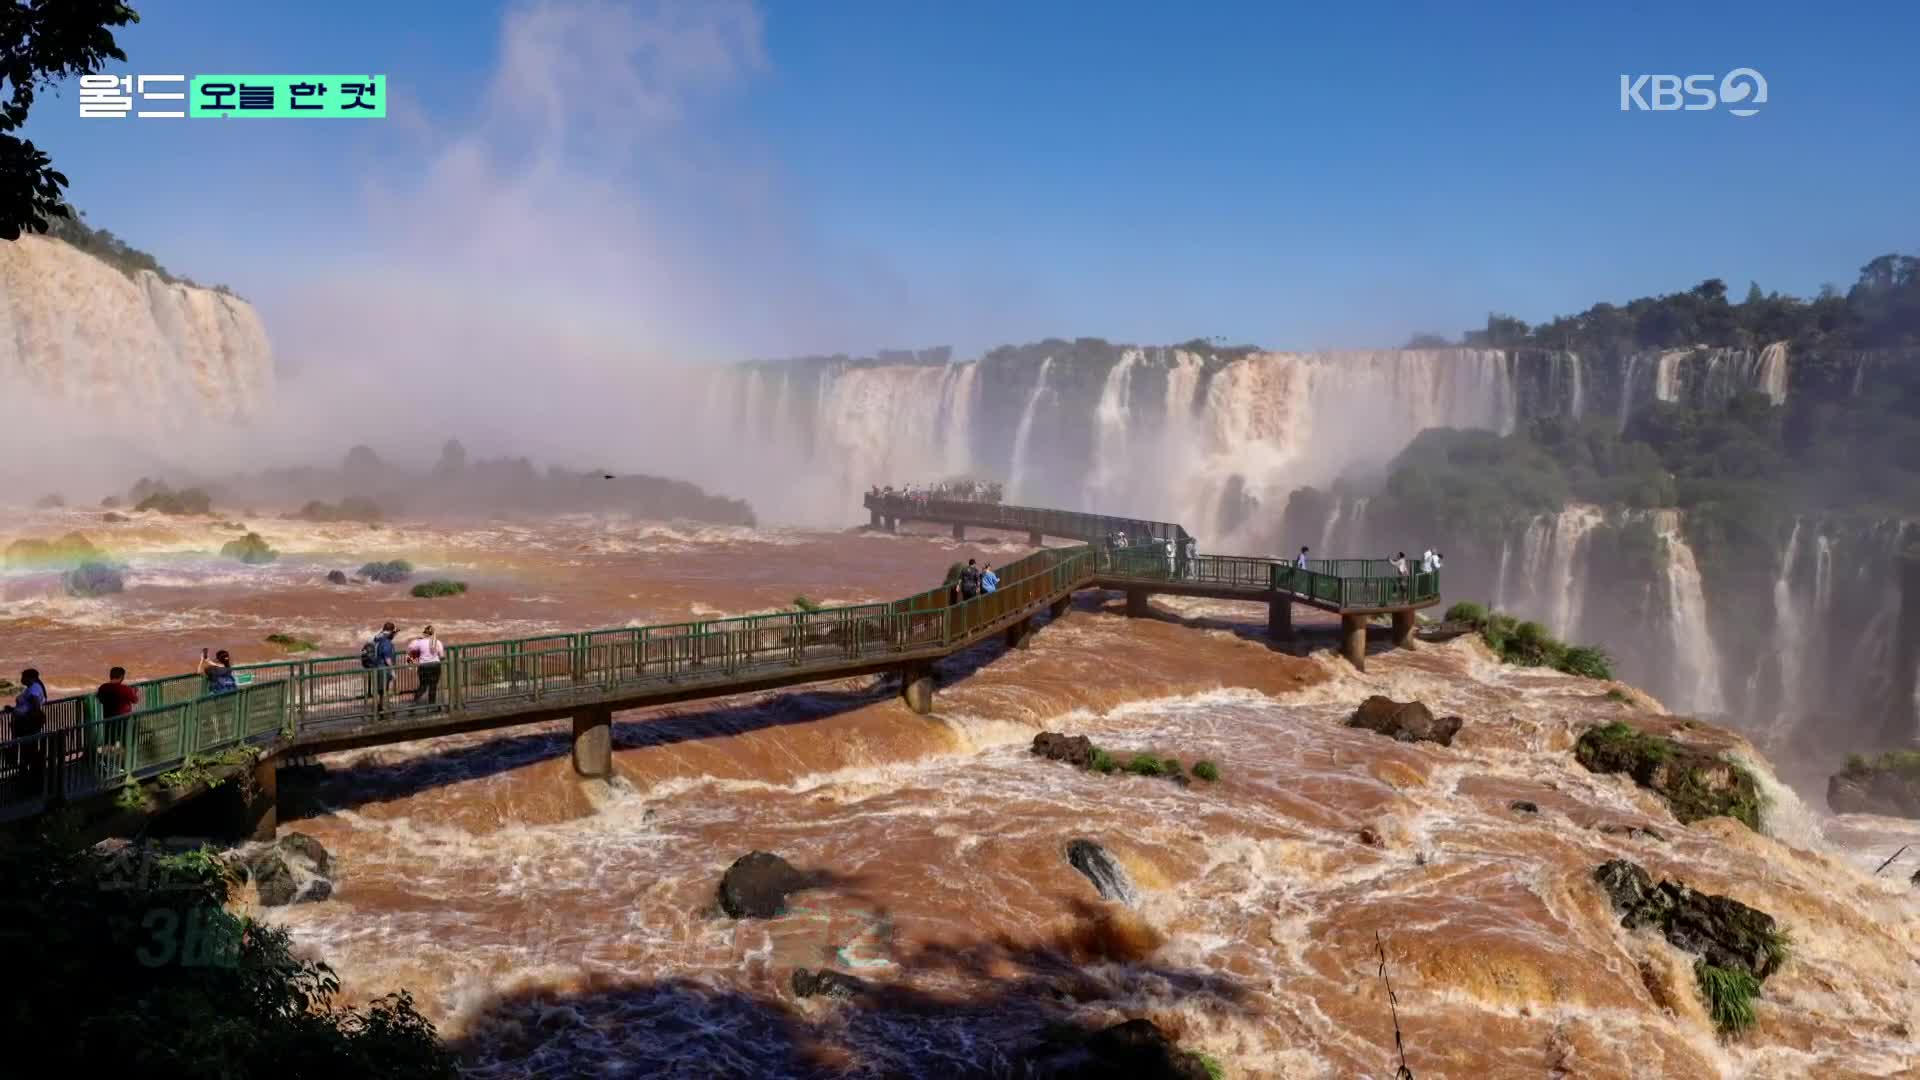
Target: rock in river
pixel 1407 722
pixel 757 884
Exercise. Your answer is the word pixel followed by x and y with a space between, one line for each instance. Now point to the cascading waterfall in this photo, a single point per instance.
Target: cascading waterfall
pixel 1114 416
pixel 1577 406
pixel 1016 488
pixel 1570 529
pixel 1500 575
pixel 1699 675
pixel 956 404
pixel 1822 574
pixel 1666 374
pixel 1626 389
pixel 1789 639
pixel 1533 556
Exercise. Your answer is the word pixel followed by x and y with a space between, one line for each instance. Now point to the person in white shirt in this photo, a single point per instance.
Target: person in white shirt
pixel 1300 560
pixel 425 652
pixel 1426 561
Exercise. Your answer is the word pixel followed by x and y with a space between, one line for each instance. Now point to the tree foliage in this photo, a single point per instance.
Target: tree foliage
pixel 42 42
pixel 141 969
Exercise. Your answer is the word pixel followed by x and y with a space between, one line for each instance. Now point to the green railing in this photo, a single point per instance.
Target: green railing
pixel 1071 525
pixel 80 752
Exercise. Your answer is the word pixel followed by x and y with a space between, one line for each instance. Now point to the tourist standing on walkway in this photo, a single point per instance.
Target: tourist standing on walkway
pixel 989 581
pixel 1300 560
pixel 116 699
pixel 28 716
pixel 425 653
pixel 377 657
pixel 1426 561
pixel 970 581
pixel 218 672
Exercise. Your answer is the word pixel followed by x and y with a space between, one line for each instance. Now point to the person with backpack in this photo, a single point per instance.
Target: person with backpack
pixel 970 581
pixel 377 657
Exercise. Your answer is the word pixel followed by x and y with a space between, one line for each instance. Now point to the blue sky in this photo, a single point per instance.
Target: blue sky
pixel 815 176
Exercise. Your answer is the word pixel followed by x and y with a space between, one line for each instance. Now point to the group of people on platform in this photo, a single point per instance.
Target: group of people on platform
pixel 973 580
pixel 1430 561
pixel 958 490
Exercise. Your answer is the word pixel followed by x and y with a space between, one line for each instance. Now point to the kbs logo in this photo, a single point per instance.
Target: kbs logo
pixel 1743 90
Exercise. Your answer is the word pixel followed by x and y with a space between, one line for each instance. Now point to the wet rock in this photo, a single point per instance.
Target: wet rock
pixel 1889 785
pixel 826 983
pixel 1524 806
pixel 757 884
pixel 1369 837
pixel 1631 832
pixel 1694 783
pixel 1404 721
pixel 1108 877
pixel 336 577
pixel 1132 1050
pixel 1075 750
pixel 298 843
pixel 272 878
pixel 1720 930
pixel 1915 879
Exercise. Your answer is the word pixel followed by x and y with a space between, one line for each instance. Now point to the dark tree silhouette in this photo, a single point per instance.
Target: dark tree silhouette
pixel 42 42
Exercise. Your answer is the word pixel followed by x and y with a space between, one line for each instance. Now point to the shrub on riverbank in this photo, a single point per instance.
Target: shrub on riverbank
pixel 187 501
pixel 1531 644
pixel 428 590
pixel 292 644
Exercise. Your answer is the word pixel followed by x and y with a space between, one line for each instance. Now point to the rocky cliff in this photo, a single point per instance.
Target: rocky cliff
pixel 78 335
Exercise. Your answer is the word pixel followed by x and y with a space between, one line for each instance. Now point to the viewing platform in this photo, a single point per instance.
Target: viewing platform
pixel 286 710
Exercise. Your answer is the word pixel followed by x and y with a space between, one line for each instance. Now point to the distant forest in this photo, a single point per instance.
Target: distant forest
pixel 1880 311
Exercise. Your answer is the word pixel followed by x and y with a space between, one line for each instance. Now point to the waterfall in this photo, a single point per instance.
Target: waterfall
pixel 1626 390
pixel 1533 557
pixel 1822 575
pixel 1772 380
pixel 1570 529
pixel 1113 416
pixel 1500 575
pixel 956 408
pixel 1327 533
pixel 1789 639
pixel 1666 374
pixel 1578 406
pixel 1698 676
pixel 1015 489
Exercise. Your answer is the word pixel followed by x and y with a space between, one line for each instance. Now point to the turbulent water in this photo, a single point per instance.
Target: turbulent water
pixel 128 353
pixel 556 927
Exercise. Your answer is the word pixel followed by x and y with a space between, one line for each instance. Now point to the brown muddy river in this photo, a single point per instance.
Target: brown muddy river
pixel 555 927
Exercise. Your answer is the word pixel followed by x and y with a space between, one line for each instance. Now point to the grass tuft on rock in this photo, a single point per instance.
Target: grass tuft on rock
pixel 1695 784
pixel 1729 994
pixel 390 572
pixel 805 604
pixel 438 587
pixel 1207 770
pixel 186 502
pixel 292 644
pixel 1215 1070
pixel 1902 762
pixel 1150 765
pixel 1103 762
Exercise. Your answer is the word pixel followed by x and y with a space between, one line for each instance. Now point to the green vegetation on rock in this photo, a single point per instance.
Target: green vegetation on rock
pixel 291 644
pixel 804 604
pixel 391 572
pixel 1696 785
pixel 439 587
pixel 189 501
pixel 1529 644
pixel 1150 765
pixel 1729 994
pixel 1206 770
pixel 352 508
pixel 136 959
pixel 251 549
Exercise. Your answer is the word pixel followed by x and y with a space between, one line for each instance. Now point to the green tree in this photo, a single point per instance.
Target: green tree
pixel 45 41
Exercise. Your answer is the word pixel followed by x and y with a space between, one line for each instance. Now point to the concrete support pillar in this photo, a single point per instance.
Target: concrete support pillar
pixel 1353 640
pixel 959 531
pixel 1136 602
pixel 1033 538
pixel 916 687
pixel 593 743
pixel 1403 629
pixel 1020 634
pixel 1280 620
pixel 1060 606
pixel 873 519
pixel 891 523
pixel 263 808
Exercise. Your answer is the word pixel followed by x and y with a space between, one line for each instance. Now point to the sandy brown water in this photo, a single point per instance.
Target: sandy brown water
pixel 555 927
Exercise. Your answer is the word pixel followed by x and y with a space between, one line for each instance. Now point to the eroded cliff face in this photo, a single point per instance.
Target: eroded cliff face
pixel 80 337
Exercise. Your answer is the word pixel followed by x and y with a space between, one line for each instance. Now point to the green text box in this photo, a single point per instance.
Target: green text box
pixel 274 97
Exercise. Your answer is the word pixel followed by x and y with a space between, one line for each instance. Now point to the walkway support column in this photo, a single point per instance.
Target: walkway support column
pixel 873 520
pixel 916 686
pixel 1020 634
pixel 1353 640
pixel 959 531
pixel 1136 603
pixel 1280 619
pixel 263 807
pixel 1403 629
pixel 1033 538
pixel 1060 606
pixel 891 523
pixel 593 743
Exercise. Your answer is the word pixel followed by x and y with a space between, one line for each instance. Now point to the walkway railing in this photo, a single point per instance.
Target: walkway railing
pixel 1067 524
pixel 80 752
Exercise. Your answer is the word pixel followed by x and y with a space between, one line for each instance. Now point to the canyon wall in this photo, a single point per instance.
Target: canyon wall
pixel 82 340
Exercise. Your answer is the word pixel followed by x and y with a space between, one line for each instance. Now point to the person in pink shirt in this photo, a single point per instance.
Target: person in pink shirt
pixel 425 652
